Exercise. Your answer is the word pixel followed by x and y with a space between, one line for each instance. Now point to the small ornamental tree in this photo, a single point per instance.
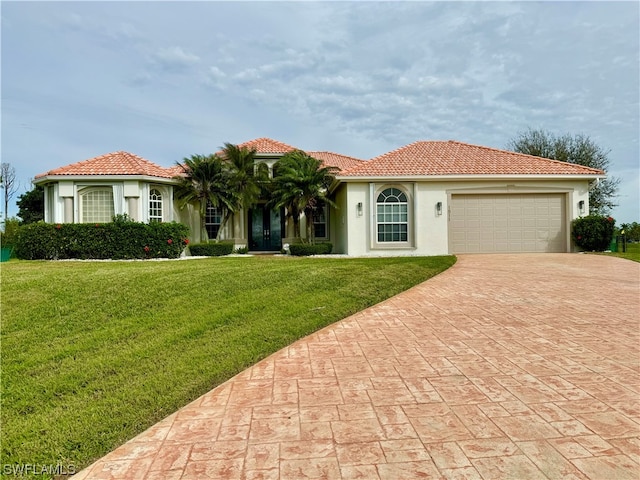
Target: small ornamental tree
pixel 593 232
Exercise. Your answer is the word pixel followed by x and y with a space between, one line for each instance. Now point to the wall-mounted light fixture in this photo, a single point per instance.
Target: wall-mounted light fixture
pixel 439 208
pixel 359 209
pixel 581 206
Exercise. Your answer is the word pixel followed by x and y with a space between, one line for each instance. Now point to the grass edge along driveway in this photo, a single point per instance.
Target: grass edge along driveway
pixel 94 353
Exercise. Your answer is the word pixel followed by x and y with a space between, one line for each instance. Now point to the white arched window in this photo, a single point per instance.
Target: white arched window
pixel 155 205
pixel 392 216
pixel 96 205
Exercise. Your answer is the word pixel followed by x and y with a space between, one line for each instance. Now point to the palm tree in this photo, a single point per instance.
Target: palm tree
pixel 204 181
pixel 300 184
pixel 245 177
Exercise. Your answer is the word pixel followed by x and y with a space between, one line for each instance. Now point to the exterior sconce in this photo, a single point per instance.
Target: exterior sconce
pixel 581 206
pixel 359 209
pixel 439 208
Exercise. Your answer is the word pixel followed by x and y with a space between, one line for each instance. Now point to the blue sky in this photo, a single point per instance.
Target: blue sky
pixel 165 80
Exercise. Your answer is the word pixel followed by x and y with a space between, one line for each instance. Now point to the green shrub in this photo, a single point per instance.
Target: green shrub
pixel 211 249
pixel 242 250
pixel 593 232
pixel 305 249
pixel 121 239
pixel 9 236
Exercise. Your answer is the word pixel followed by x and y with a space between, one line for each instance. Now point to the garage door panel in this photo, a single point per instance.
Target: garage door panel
pixel 516 222
pixel 507 223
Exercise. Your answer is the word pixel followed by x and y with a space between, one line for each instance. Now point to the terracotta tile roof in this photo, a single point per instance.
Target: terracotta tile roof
pixel 116 163
pixel 267 145
pixel 457 158
pixel 330 159
pixel 270 146
pixel 175 170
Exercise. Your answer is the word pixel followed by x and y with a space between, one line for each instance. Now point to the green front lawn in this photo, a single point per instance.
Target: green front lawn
pixel 95 352
pixel 632 253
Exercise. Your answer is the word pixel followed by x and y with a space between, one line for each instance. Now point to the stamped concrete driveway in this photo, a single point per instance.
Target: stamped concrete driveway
pixel 504 366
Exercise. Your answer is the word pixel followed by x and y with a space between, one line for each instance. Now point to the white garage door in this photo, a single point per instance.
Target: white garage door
pixel 507 223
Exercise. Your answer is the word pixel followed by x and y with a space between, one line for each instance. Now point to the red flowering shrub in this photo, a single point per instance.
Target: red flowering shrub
pixel 119 239
pixel 593 232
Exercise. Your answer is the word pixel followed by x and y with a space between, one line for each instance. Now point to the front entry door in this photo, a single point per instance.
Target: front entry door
pixel 266 229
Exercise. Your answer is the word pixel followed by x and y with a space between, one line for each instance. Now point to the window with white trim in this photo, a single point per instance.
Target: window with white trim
pixel 392 216
pixel 320 223
pixel 155 205
pixel 96 205
pixel 212 220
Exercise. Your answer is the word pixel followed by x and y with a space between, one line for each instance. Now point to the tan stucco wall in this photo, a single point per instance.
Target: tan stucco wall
pixel 429 231
pixel 351 232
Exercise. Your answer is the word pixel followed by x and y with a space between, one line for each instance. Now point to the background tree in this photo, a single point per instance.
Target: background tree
pixel 204 181
pixel 31 205
pixel 631 231
pixel 578 149
pixel 300 184
pixel 9 185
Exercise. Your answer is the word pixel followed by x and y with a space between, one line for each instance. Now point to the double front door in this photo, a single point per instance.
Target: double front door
pixel 266 229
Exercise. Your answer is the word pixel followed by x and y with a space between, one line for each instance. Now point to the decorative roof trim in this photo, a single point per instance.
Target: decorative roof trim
pixel 467 176
pixel 102 178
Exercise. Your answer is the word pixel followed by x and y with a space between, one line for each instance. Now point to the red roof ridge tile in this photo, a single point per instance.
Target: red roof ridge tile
pixel 309 152
pixel 595 170
pixel 336 160
pixel 119 162
pixel 268 144
pixel 396 150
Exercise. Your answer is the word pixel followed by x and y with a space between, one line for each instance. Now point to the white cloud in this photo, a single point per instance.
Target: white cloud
pixel 174 59
pixel 360 77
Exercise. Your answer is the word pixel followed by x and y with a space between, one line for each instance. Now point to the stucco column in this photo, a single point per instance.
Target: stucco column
pixel 132 207
pixel 68 209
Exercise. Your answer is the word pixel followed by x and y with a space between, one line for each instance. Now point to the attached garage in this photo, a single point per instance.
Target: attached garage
pixel 497 223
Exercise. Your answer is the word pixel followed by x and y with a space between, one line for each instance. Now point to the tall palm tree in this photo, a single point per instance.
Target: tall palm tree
pixel 300 184
pixel 245 177
pixel 203 181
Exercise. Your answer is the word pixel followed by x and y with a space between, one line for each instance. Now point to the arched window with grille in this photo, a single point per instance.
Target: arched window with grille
pixel 392 216
pixel 155 205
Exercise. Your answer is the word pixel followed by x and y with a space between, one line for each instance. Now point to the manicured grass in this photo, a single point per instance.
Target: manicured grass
pixel 95 352
pixel 632 253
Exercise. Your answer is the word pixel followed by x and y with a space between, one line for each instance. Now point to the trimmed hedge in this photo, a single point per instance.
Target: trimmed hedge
pixel 304 249
pixel 593 232
pixel 211 249
pixel 115 240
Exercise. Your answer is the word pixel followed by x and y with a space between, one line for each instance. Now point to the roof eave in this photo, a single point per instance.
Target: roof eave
pixel 269 156
pixel 100 178
pixel 467 177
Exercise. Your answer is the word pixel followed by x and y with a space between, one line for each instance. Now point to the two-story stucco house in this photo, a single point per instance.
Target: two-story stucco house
pixel 426 198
